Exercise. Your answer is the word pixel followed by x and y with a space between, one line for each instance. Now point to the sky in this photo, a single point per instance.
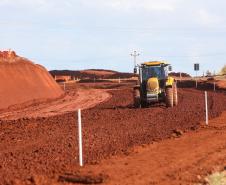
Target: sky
pixel 101 34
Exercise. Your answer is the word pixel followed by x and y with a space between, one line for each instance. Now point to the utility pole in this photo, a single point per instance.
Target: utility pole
pixel 135 55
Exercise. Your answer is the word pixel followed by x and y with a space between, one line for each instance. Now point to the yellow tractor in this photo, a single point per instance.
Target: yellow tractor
pixel 155 85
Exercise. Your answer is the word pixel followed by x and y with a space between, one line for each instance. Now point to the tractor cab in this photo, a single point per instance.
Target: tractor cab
pixel 157 70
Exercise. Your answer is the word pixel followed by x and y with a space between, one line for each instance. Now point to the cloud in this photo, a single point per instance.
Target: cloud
pixel 23 2
pixel 38 5
pixel 207 18
pixel 145 5
pixel 131 5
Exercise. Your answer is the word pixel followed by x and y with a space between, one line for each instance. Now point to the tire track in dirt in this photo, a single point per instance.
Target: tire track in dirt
pixel 82 98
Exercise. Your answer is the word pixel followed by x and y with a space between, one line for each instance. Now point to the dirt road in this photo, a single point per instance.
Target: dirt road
pixel 79 98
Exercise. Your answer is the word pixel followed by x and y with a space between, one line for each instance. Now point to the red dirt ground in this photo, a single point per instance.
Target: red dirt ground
pixel 22 81
pixel 43 150
pixel 185 160
pixel 81 98
pixel 221 84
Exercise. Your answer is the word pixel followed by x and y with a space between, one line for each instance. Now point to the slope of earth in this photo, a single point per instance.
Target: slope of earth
pixel 81 98
pixel 221 83
pixel 22 81
pixel 46 148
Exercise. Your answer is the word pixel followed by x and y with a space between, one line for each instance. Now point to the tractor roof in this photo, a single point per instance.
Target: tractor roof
pixel 155 63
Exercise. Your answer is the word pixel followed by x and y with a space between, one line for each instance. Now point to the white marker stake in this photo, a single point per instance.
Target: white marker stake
pixel 80 137
pixel 206 102
pixel 214 86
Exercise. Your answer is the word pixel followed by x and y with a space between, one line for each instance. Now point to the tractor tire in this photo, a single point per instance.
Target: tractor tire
pixel 169 97
pixel 175 95
pixel 136 98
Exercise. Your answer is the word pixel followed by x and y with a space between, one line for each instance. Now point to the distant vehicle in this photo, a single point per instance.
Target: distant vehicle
pixel 155 85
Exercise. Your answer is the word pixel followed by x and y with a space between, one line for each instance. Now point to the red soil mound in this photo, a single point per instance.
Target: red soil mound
pixel 7 54
pixel 22 81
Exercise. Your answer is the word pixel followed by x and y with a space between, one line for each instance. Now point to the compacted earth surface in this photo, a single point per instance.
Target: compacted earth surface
pixel 121 144
pixel 75 98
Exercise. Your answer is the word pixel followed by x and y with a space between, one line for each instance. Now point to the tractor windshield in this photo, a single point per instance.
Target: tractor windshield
pixel 153 71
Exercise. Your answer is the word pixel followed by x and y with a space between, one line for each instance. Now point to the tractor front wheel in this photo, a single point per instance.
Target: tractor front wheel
pixel 169 97
pixel 175 96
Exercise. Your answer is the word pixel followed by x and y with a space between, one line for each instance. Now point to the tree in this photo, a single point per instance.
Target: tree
pixel 223 70
pixel 208 73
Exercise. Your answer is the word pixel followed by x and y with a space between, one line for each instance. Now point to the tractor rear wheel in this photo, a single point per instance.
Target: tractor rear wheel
pixel 136 98
pixel 169 96
pixel 175 96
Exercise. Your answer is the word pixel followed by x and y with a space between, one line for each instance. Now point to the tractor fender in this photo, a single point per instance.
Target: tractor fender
pixel 170 81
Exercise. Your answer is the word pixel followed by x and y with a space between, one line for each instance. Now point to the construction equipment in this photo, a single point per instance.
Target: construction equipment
pixel 155 85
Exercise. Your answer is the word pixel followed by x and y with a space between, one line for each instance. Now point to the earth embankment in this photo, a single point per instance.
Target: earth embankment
pixel 22 81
